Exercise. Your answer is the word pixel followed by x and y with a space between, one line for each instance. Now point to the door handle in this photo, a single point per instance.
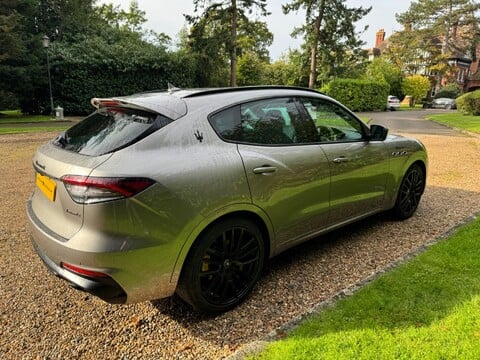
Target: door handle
pixel 340 159
pixel 264 169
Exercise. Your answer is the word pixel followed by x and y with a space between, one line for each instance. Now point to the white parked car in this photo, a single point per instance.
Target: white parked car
pixel 393 103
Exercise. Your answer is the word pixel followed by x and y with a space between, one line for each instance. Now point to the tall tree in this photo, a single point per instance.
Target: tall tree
pixel 436 31
pixel 224 23
pixel 132 20
pixel 328 31
pixel 21 55
pixel 64 19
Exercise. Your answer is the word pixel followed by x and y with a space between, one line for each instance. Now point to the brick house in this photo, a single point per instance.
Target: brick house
pixel 466 68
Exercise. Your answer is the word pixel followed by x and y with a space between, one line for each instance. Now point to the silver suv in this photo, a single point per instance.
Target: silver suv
pixel 191 191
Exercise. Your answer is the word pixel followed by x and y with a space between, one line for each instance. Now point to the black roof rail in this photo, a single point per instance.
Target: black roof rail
pixel 209 91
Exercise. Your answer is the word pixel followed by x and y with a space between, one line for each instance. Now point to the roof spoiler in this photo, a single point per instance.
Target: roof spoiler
pixel 97 102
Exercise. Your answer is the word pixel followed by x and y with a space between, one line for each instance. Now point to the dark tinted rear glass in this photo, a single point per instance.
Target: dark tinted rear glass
pixel 110 129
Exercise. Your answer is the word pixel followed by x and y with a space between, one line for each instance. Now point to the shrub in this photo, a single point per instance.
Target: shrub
pixel 359 95
pixel 416 86
pixel 95 68
pixel 469 103
pixel 451 91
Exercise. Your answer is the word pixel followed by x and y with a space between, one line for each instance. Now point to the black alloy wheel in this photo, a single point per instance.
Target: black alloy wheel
pixel 410 192
pixel 223 266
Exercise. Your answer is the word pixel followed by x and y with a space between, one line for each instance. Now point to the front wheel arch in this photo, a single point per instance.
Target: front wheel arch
pixel 410 191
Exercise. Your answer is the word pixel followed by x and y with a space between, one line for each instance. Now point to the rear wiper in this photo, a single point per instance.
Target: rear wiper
pixel 61 140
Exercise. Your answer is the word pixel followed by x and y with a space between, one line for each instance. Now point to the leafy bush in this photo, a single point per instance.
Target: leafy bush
pixel 95 68
pixel 360 95
pixel 451 91
pixel 469 103
pixel 416 86
pixel 8 100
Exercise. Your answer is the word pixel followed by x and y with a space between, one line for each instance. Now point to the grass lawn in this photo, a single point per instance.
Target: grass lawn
pixel 15 116
pixel 459 121
pixel 19 130
pixel 428 308
pixel 14 122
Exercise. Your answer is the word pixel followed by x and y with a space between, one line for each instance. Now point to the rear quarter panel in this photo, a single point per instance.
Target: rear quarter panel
pixel 199 178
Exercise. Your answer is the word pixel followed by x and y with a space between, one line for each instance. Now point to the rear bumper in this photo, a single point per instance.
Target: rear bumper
pixel 104 288
pixel 133 275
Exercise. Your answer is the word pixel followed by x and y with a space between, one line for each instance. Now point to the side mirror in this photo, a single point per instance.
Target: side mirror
pixel 378 133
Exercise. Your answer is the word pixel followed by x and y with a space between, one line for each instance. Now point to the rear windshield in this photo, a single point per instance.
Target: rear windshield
pixel 110 129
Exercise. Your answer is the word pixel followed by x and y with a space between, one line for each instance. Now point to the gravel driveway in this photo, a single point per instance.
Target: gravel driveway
pixel 41 317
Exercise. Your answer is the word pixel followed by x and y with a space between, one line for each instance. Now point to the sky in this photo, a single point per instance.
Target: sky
pixel 166 16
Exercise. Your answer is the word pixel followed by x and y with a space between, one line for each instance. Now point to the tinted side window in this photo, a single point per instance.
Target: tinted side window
pixel 227 124
pixel 266 122
pixel 332 122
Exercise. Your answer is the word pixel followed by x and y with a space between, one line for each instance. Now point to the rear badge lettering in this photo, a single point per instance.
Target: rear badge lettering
pixel 72 213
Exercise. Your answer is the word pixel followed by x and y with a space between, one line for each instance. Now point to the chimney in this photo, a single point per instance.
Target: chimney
pixel 380 38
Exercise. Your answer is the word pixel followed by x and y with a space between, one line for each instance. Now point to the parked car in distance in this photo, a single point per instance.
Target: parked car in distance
pixel 441 103
pixel 192 191
pixel 393 103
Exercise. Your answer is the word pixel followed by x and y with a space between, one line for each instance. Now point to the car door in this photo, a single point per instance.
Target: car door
pixel 287 172
pixel 358 167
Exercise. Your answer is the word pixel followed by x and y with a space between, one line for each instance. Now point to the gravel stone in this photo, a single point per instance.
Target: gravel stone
pixel 41 317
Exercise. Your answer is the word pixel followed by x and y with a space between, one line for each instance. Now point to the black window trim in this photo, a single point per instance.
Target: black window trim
pixel 303 114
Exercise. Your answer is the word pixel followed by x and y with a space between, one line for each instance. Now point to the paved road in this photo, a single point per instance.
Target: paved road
pixel 410 122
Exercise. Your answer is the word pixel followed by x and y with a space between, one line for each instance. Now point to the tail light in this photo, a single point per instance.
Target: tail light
pixel 84 272
pixel 91 190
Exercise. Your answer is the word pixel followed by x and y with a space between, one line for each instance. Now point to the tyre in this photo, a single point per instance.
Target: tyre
pixel 409 193
pixel 223 266
pixel 448 107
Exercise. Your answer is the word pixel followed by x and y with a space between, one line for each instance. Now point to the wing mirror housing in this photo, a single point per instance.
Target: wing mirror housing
pixel 378 133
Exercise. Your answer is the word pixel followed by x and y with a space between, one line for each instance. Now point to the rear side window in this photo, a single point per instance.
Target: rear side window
pixel 110 129
pixel 275 121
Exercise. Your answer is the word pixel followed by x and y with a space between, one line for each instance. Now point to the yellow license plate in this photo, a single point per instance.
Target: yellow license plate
pixel 47 186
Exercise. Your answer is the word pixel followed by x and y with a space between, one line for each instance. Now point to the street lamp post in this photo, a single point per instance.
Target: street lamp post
pixel 46 45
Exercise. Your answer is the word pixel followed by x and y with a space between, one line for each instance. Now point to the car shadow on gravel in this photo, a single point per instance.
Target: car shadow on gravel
pixel 301 278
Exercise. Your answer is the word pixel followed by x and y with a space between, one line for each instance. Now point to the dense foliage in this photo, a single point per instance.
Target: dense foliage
pixel 360 95
pixel 103 71
pixel 450 91
pixel 469 103
pixel 100 50
pixel 22 70
pixel 417 87
pixel 382 70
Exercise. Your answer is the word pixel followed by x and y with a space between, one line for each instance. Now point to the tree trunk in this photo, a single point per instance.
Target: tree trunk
pixel 313 65
pixel 314 47
pixel 233 50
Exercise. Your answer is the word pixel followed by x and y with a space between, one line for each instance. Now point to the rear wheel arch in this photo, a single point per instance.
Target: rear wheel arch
pixel 243 214
pixel 204 283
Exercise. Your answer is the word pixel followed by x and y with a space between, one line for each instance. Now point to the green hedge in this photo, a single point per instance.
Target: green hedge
pixel 360 95
pixel 95 69
pixel 469 103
